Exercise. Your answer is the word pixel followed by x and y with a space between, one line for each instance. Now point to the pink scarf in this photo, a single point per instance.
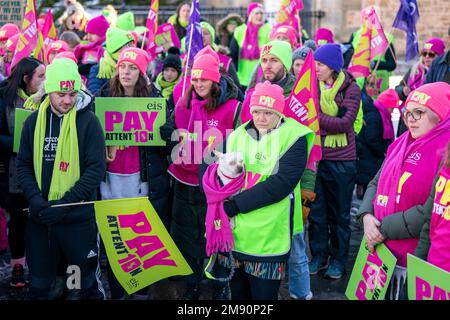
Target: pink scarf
pixel 417 79
pixel 82 50
pixel 250 48
pixel 439 253
pixel 219 236
pixel 417 161
pixel 388 128
pixel 192 154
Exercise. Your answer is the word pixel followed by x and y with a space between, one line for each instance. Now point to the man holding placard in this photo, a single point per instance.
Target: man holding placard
pixel 60 164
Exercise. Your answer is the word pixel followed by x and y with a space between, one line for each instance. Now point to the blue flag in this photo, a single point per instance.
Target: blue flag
pixel 194 40
pixel 406 20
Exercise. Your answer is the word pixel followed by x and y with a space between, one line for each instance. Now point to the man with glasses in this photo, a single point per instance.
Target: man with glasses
pixel 440 68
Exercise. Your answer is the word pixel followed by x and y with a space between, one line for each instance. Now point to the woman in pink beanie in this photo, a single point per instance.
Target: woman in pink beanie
pixel 324 36
pixel 286 33
pixel 90 53
pixel 417 74
pixel 392 210
pixel 268 211
pixel 247 41
pixel 136 171
pixel 54 48
pixel 204 117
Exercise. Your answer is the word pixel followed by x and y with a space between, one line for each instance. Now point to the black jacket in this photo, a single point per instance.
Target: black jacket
pixel 91 146
pixel 440 69
pixel 371 146
pixel 153 164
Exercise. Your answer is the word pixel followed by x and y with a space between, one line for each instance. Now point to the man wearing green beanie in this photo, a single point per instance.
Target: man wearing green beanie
pixel 116 40
pixel 275 64
pixel 61 162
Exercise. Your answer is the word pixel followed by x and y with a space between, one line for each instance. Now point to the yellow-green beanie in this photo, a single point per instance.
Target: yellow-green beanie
pixel 61 76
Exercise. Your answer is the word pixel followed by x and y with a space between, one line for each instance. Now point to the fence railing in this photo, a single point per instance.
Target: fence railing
pixel 311 20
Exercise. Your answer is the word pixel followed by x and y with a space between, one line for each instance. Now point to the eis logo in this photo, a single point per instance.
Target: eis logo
pixel 212 123
pixel 414 158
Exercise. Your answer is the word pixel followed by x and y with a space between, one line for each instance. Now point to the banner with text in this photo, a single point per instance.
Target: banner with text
pixel 11 12
pixel 131 121
pixel 426 281
pixel 371 273
pixel 19 119
pixel 139 248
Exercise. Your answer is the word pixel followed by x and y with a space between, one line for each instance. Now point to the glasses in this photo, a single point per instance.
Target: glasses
pixel 416 114
pixel 430 54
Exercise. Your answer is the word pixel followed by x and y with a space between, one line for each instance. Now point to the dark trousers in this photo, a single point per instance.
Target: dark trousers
pixel 14 204
pixel 329 229
pixel 244 286
pixel 77 243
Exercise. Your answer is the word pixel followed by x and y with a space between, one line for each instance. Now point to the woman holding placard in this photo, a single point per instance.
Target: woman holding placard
pixel 26 78
pixel 208 111
pixel 135 171
pixel 393 198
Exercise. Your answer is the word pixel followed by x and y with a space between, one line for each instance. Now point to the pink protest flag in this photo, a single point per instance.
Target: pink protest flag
pixel 49 30
pixel 360 63
pixel 303 106
pixel 28 38
pixel 287 14
pixel 152 23
pixel 379 43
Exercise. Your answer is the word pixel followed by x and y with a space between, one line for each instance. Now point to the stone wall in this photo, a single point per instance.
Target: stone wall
pixel 343 16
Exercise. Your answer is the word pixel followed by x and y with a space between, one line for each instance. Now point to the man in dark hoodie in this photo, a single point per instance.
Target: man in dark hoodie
pixel 61 162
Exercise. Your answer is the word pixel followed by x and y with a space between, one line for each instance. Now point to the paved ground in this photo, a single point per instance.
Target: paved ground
pixel 323 289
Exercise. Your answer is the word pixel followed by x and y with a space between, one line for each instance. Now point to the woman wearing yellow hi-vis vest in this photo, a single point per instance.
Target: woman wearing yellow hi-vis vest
pixel 247 41
pixel 268 211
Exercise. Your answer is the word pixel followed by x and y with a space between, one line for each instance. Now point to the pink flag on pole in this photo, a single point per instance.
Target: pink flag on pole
pixel 303 106
pixel 28 38
pixel 49 30
pixel 152 24
pixel 379 42
pixel 360 63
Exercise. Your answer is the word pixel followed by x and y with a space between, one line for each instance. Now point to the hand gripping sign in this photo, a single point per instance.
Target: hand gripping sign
pixel 371 273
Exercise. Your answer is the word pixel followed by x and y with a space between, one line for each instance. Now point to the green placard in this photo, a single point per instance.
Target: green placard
pixel 131 121
pixel 371 273
pixel 426 281
pixel 139 248
pixel 19 119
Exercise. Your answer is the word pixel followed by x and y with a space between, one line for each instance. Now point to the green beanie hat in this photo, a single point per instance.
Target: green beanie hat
pixel 280 49
pixel 116 38
pixel 62 75
pixel 207 26
pixel 126 21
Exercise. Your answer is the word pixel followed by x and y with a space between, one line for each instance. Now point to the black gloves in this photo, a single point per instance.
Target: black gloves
pixel 166 132
pixel 37 204
pixel 230 207
pixel 52 215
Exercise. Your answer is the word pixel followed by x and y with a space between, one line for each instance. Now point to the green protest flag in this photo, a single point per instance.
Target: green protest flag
pixel 139 248
pixel 131 121
pixel 19 119
pixel 371 273
pixel 426 281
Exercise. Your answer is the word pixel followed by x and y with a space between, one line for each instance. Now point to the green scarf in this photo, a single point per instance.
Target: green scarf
pixel 166 87
pixel 107 66
pixel 329 107
pixel 173 21
pixel 30 101
pixel 66 151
